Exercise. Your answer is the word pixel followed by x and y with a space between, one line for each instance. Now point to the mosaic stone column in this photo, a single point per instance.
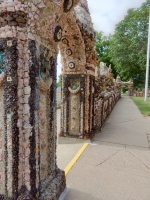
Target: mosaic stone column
pixel 28 167
pixel 30 31
pixel 73 105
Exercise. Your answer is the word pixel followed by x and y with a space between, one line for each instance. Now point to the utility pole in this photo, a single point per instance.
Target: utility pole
pixel 147 65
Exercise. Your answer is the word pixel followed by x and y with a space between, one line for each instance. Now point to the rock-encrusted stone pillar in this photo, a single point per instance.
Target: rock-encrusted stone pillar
pixel 78 74
pixel 28 62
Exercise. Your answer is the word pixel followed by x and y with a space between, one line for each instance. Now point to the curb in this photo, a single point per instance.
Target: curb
pixel 76 157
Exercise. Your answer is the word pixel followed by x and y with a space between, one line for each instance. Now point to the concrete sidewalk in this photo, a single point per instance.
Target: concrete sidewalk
pixel 66 148
pixel 116 166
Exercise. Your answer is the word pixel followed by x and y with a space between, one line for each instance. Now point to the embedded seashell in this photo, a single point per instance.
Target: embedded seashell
pixel 43 86
pixel 10 3
pixel 11 9
pixel 30 36
pixel 28 185
pixel 2 29
pixel 17 7
pixel 26 108
pixel 27 152
pixel 36 17
pixel 27 90
pixel 20 181
pixel 9 34
pixel 22 9
pixel 26 98
pixel 15 2
pixel 37 24
pixel 3 34
pixel 20 135
pixel 26 81
pixel 2 75
pixel 26 57
pixel 27 135
pixel 20 64
pixel 25 144
pixel 68 5
pixel 20 73
pixel 32 23
pixel 41 5
pixel 19 123
pixel 20 52
pixel 1 154
pixel 14 33
pixel 20 170
pixel 27 177
pixel 30 14
pixel 34 9
pixel 20 106
pixel 26 74
pixel 26 68
pixel 28 115
pixel 20 113
pixel 20 82
pixel 26 118
pixel 21 100
pixel 21 36
pixel 26 162
pixel 20 46
pixel 19 28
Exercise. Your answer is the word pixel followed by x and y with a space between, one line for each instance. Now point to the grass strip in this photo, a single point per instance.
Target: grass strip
pixel 143 106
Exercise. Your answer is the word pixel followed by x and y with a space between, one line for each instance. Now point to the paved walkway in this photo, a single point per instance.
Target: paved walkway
pixel 116 166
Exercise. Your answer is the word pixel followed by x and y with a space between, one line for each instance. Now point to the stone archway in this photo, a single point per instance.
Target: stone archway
pixel 31 33
pixel 29 36
pixel 78 61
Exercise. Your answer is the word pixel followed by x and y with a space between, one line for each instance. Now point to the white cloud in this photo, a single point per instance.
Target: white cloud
pixel 107 13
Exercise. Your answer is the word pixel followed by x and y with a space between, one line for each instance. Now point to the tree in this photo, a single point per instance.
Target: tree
pixel 128 47
pixel 102 46
pixel 59 81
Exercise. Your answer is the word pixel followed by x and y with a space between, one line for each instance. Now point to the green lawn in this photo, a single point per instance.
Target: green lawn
pixel 143 106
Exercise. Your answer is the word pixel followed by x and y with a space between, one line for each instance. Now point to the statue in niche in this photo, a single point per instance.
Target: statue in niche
pixel 74 101
pixel 104 78
pixel 74 86
pixel 103 69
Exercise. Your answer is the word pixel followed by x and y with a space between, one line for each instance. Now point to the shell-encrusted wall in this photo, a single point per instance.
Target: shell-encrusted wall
pixel 79 60
pixel 30 33
pixel 84 108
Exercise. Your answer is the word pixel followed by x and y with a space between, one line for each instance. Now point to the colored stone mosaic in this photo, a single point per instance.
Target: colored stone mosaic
pixel 31 34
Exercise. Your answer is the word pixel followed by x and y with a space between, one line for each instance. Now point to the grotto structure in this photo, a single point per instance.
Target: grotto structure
pixel 84 108
pixel 30 31
pixel 79 60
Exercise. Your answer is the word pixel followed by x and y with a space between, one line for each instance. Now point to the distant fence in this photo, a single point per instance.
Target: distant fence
pixel 140 93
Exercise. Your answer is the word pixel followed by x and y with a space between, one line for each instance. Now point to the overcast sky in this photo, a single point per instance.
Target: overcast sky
pixel 106 14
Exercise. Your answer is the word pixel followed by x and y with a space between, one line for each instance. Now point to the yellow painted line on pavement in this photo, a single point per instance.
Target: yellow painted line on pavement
pixel 76 157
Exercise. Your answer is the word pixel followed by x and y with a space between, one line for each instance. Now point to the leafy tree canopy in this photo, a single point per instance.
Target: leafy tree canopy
pixel 59 81
pixel 102 46
pixel 128 47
